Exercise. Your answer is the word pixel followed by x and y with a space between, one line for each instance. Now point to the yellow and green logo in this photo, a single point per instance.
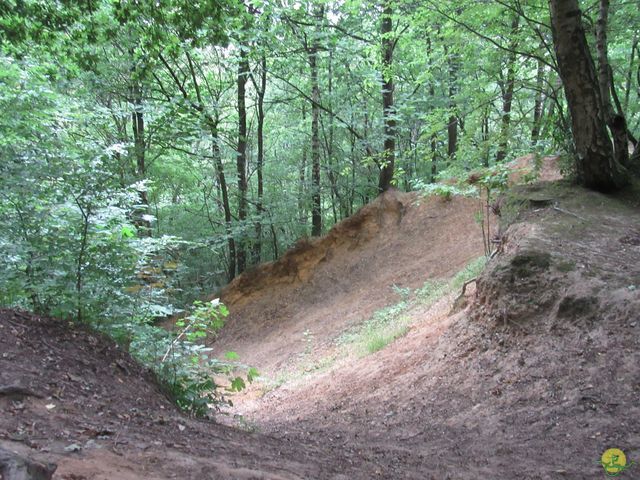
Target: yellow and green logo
pixel 614 462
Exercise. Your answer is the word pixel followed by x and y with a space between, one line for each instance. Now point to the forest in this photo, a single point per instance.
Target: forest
pixel 170 167
pixel 152 151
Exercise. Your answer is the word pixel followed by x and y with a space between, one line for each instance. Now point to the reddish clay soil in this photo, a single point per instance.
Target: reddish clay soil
pixel 533 379
pixel 324 286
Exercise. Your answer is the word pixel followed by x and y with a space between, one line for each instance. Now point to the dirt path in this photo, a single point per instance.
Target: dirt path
pixel 534 379
pixel 85 405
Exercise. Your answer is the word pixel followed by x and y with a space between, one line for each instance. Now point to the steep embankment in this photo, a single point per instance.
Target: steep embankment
pixel 535 380
pixel 74 398
pixel 323 286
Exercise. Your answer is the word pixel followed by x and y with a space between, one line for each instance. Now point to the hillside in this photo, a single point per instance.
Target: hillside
pixel 533 380
pixel 74 399
pixel 324 286
pixel 531 376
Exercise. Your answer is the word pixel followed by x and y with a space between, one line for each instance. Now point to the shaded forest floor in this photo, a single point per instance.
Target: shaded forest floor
pixel 532 376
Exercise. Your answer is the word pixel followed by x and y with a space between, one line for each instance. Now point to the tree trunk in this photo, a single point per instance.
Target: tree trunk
pixel 226 207
pixel 507 93
pixel 538 104
pixel 627 89
pixel 212 123
pixel 485 136
pixel 434 136
pixel 316 200
pixel 302 188
pixel 241 157
pixel 260 91
pixel 332 172
pixel 452 124
pixel 595 164
pixel 388 111
pixel 616 122
pixel 139 143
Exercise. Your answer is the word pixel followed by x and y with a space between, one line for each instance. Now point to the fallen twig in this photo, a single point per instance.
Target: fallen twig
pixel 555 207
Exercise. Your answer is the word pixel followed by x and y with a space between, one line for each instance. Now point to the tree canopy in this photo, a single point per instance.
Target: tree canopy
pixel 152 151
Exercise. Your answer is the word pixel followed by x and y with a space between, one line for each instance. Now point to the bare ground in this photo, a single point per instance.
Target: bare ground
pixel 76 399
pixel 323 286
pixel 534 379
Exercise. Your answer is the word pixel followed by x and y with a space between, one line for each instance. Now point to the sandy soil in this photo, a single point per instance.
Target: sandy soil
pixel 535 380
pixel 325 286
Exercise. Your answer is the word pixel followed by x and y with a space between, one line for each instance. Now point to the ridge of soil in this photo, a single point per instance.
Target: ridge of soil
pixel 535 380
pixel 72 397
pixel 324 286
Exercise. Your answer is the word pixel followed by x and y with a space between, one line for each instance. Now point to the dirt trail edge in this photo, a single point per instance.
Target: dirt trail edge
pixel 535 380
pixel 79 401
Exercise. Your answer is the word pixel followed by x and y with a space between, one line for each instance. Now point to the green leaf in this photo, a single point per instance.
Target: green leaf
pixel 232 356
pixel 127 232
pixel 238 384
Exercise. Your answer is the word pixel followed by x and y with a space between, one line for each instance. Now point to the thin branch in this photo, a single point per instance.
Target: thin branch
pixel 489 39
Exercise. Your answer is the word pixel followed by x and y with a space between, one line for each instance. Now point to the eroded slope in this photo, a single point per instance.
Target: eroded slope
pixel 533 381
pixel 324 286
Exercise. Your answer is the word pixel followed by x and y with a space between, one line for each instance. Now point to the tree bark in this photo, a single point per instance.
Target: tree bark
pixel 316 199
pixel 538 104
pixel 507 93
pixel 452 124
pixel 139 144
pixel 432 94
pixel 224 192
pixel 302 174
pixel 485 137
pixel 212 122
pixel 260 92
pixel 627 89
pixel 616 122
pixel 388 110
pixel 241 156
pixel 596 166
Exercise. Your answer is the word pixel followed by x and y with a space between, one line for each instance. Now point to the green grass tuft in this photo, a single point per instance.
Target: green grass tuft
pixel 391 322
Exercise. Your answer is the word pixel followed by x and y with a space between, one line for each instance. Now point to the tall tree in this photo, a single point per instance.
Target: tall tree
pixel 313 53
pixel 616 121
pixel 139 144
pixel 507 86
pixel 241 152
pixel 261 88
pixel 388 111
pixel 597 167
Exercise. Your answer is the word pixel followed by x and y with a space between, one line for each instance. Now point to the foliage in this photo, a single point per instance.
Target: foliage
pixel 121 186
pixel 182 363
pixel 174 66
pixel 443 190
pixel 490 182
